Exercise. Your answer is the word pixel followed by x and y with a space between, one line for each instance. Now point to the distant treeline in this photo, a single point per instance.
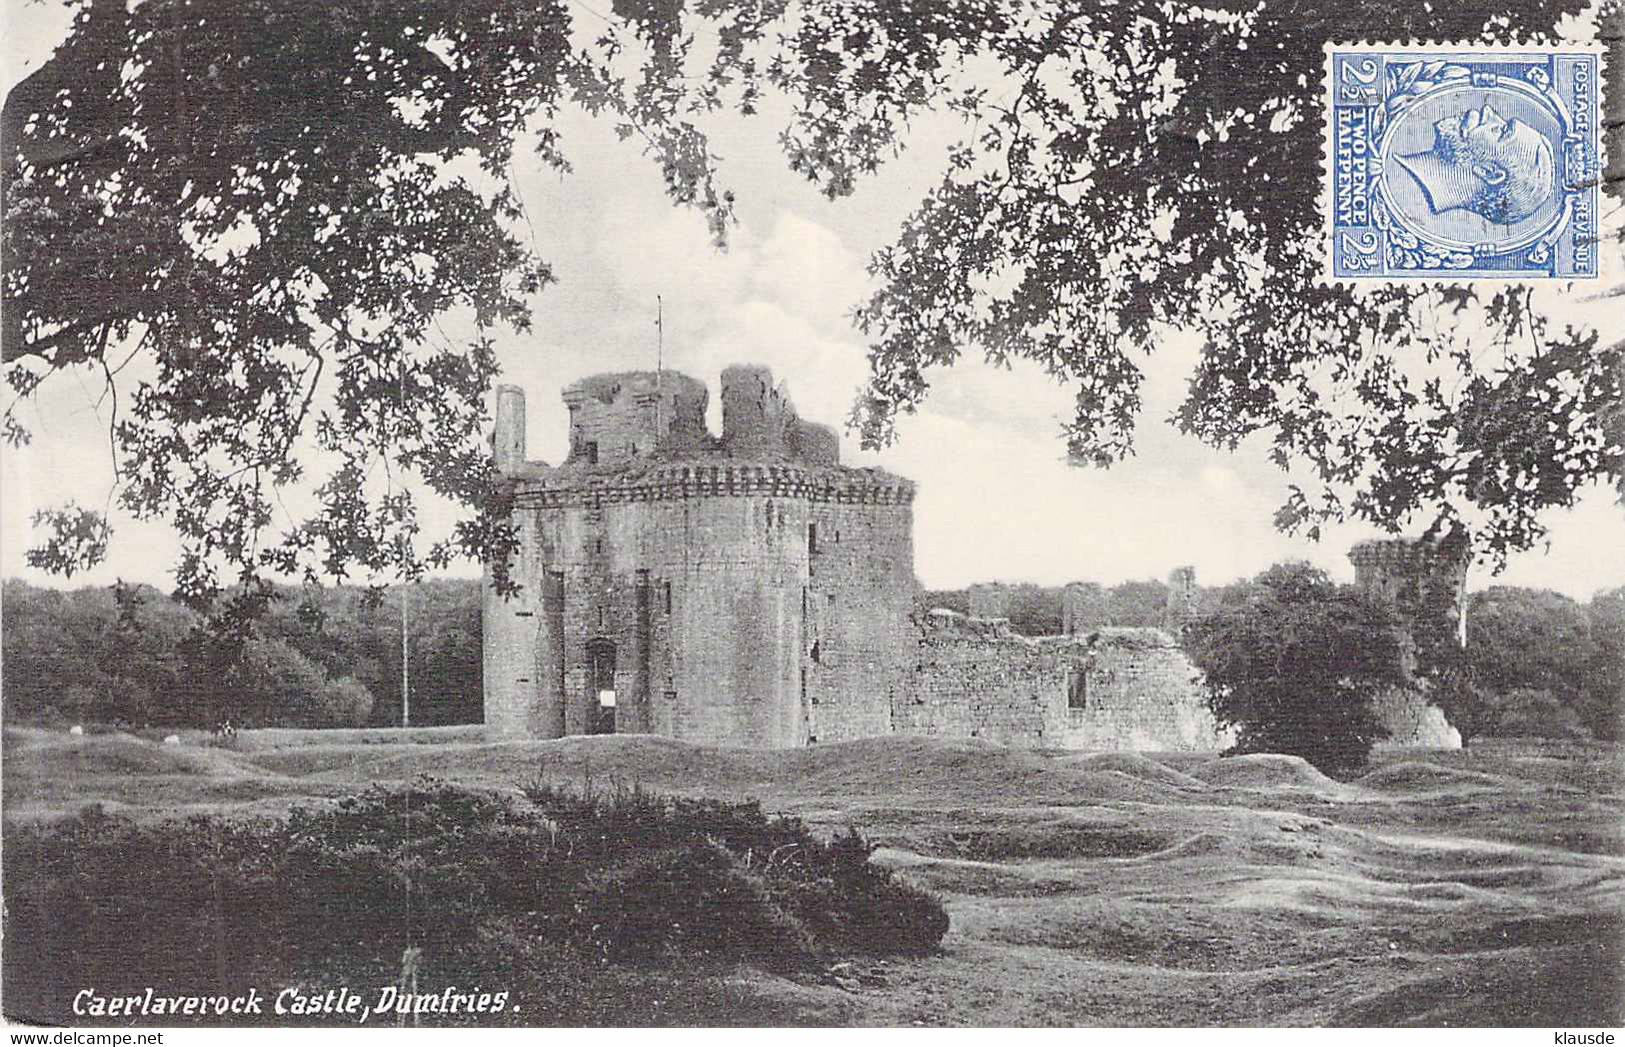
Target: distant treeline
pixel 1543 664
pixel 315 658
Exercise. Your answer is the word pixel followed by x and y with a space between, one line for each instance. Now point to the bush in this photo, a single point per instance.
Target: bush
pixel 697 897
pixel 340 892
pixel 803 894
pixel 1295 666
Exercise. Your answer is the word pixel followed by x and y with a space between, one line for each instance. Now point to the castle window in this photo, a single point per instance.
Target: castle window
pixel 591 452
pixel 1077 689
pixel 598 546
pixel 665 594
pixel 603 617
pixel 816 653
pixel 812 538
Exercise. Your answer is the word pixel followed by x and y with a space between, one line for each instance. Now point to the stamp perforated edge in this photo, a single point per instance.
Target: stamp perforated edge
pixel 1327 277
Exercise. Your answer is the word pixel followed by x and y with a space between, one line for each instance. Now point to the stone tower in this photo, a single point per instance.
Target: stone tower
pixel 988 600
pixel 744 590
pixel 1182 596
pixel 1427 581
pixel 1085 607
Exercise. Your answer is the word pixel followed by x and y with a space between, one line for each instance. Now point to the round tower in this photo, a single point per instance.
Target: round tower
pixel 1426 579
pixel 744 590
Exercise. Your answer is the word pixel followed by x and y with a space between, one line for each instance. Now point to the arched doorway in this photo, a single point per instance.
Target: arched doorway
pixel 601 686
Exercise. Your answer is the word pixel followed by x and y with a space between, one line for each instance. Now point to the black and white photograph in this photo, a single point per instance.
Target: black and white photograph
pixel 905 514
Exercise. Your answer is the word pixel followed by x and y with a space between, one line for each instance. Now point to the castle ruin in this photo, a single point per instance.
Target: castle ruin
pixel 747 589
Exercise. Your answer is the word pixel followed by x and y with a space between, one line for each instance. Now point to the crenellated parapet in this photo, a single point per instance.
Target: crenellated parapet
pixel 715 479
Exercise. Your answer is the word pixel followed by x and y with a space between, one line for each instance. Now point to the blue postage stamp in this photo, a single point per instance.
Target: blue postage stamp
pixel 1450 163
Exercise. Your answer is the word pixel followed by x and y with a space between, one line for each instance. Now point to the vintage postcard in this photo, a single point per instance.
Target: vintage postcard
pixel 902 514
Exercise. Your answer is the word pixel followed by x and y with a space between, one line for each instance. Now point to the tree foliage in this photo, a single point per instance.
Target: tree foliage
pixel 275 200
pixel 1605 668
pixel 1536 663
pixel 325 658
pixel 1295 667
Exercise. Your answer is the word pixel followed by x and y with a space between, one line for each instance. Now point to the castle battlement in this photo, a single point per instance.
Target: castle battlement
pixel 714 479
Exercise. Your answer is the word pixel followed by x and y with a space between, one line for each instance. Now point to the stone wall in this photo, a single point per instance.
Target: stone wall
pixel 1182 596
pixel 988 600
pixel 1413 722
pixel 1109 689
pixel 860 591
pixel 1085 607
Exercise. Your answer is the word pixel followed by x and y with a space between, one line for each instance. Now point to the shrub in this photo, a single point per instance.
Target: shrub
pixel 1295 666
pixel 837 898
pixel 695 897
pixel 217 906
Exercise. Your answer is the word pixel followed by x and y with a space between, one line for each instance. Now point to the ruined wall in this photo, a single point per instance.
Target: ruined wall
pixel 615 418
pixel 1111 689
pixel 1141 692
pixel 1182 596
pixel 814 444
pixel 1085 607
pixel 1413 722
pixel 756 414
pixel 988 600
pixel 974 678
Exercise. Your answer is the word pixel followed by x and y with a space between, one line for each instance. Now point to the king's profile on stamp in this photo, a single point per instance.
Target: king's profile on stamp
pixel 1499 169
pixel 1462 163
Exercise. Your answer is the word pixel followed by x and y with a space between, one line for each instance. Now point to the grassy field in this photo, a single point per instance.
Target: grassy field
pixel 1464 888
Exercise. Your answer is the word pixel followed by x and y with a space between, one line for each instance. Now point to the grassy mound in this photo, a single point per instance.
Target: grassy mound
pixel 1136 766
pixel 1267 771
pixel 120 754
pixel 273 738
pixel 466 876
pixel 1413 775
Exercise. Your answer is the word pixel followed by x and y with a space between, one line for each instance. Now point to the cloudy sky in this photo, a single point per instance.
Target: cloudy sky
pixel 996 498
